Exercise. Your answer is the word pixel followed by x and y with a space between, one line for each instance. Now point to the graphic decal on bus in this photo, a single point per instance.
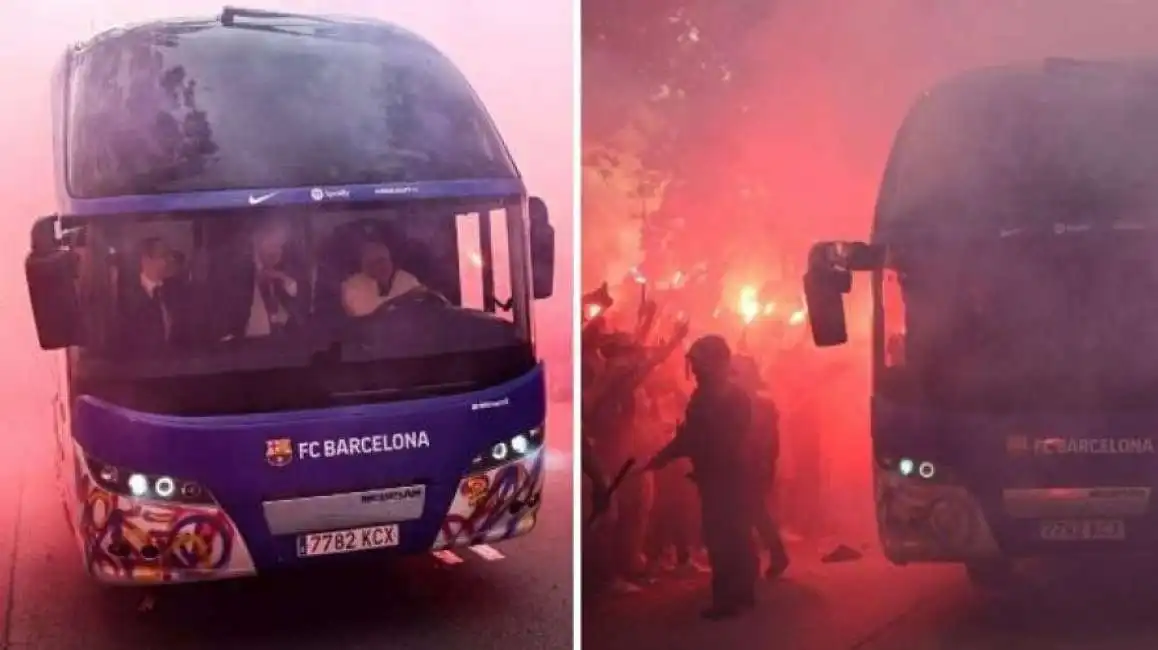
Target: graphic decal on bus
pixel 133 540
pixel 507 508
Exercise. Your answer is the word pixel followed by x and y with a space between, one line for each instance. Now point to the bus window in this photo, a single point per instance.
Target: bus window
pixel 484 261
pixel 226 108
pixel 470 259
pixel 501 262
pixel 893 308
pixel 355 285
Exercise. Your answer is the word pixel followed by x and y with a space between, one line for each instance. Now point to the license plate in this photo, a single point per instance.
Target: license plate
pixel 1071 530
pixel 347 541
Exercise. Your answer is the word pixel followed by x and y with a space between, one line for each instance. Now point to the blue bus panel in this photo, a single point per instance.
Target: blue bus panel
pixel 245 491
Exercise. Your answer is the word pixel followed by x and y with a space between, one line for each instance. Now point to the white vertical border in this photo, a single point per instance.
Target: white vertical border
pixel 576 311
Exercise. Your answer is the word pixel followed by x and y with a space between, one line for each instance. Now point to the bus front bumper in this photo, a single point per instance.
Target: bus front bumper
pixel 136 542
pixel 919 521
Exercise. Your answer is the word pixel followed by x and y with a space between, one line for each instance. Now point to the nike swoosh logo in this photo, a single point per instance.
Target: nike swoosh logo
pixel 258 200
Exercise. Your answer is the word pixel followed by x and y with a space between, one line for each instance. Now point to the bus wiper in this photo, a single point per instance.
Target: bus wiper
pixel 229 16
pixel 346 29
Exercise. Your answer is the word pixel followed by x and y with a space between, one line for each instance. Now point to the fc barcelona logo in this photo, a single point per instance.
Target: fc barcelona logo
pixel 1017 445
pixel 279 452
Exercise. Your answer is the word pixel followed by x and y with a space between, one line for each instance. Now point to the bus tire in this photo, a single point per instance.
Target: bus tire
pixel 990 574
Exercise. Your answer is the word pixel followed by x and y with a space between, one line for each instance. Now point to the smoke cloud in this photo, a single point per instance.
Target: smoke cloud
pixel 828 83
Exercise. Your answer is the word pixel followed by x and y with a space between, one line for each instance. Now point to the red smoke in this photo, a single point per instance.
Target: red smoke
pixel 833 82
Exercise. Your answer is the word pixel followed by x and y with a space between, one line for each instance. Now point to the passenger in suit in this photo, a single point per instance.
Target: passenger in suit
pixel 151 310
pixel 260 292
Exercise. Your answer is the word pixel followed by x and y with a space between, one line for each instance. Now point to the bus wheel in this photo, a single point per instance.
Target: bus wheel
pixel 990 574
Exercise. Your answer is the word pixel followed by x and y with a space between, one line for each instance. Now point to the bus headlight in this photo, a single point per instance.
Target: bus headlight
pixel 517 446
pixel 918 468
pixel 125 482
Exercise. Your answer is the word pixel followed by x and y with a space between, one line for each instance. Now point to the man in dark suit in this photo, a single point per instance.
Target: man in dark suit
pixel 150 311
pixel 259 293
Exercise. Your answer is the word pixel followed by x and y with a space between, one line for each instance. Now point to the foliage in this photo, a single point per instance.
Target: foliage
pixel 663 84
pixel 675 56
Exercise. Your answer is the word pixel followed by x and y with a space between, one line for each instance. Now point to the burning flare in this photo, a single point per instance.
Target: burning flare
pixel 750 308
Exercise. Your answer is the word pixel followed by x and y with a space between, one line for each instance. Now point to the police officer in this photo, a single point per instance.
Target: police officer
pixel 765 445
pixel 713 436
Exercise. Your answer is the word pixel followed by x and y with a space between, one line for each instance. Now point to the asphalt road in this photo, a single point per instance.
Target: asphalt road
pixel 519 598
pixel 1086 604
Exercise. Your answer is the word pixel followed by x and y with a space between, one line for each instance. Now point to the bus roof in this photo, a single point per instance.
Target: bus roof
pixel 418 149
pixel 1017 73
pixel 260 19
pixel 1004 146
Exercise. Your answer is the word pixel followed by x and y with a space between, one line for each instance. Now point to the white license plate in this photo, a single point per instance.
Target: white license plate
pixel 347 541
pixel 1070 530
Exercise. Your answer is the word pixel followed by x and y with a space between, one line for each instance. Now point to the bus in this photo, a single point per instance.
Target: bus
pixel 290 281
pixel 1014 342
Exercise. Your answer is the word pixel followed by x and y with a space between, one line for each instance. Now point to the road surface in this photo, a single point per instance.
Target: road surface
pixel 1089 604
pixel 519 598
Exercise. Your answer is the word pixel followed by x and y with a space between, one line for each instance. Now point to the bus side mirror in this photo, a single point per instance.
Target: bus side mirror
pixel 542 250
pixel 51 274
pixel 824 301
pixel 829 277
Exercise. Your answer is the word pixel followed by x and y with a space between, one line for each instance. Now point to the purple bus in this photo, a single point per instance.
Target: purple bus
pixel 1012 266
pixel 291 284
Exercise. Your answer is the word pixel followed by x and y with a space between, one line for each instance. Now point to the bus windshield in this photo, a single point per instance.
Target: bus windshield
pixel 1053 322
pixel 360 298
pixel 1023 148
pixel 191 106
pixel 276 302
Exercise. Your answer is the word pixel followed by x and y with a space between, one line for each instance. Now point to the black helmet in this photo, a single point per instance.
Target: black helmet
pixel 710 352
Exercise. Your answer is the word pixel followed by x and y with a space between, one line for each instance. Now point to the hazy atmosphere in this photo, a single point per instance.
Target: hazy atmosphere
pixel 721 139
pixel 451 589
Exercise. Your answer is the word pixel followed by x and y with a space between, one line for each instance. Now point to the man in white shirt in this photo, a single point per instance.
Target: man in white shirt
pixel 258 293
pixel 273 289
pixel 377 282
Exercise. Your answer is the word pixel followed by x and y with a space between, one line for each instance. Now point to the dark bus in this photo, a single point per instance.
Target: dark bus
pixel 290 283
pixel 1015 351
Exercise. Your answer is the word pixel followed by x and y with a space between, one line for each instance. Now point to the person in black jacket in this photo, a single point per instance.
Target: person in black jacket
pixel 151 308
pixel 765 445
pixel 713 436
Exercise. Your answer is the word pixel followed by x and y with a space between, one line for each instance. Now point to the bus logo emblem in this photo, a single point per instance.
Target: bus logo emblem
pixel 279 452
pixel 1017 445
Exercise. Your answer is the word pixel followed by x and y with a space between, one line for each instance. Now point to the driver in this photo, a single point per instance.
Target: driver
pixel 377 282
